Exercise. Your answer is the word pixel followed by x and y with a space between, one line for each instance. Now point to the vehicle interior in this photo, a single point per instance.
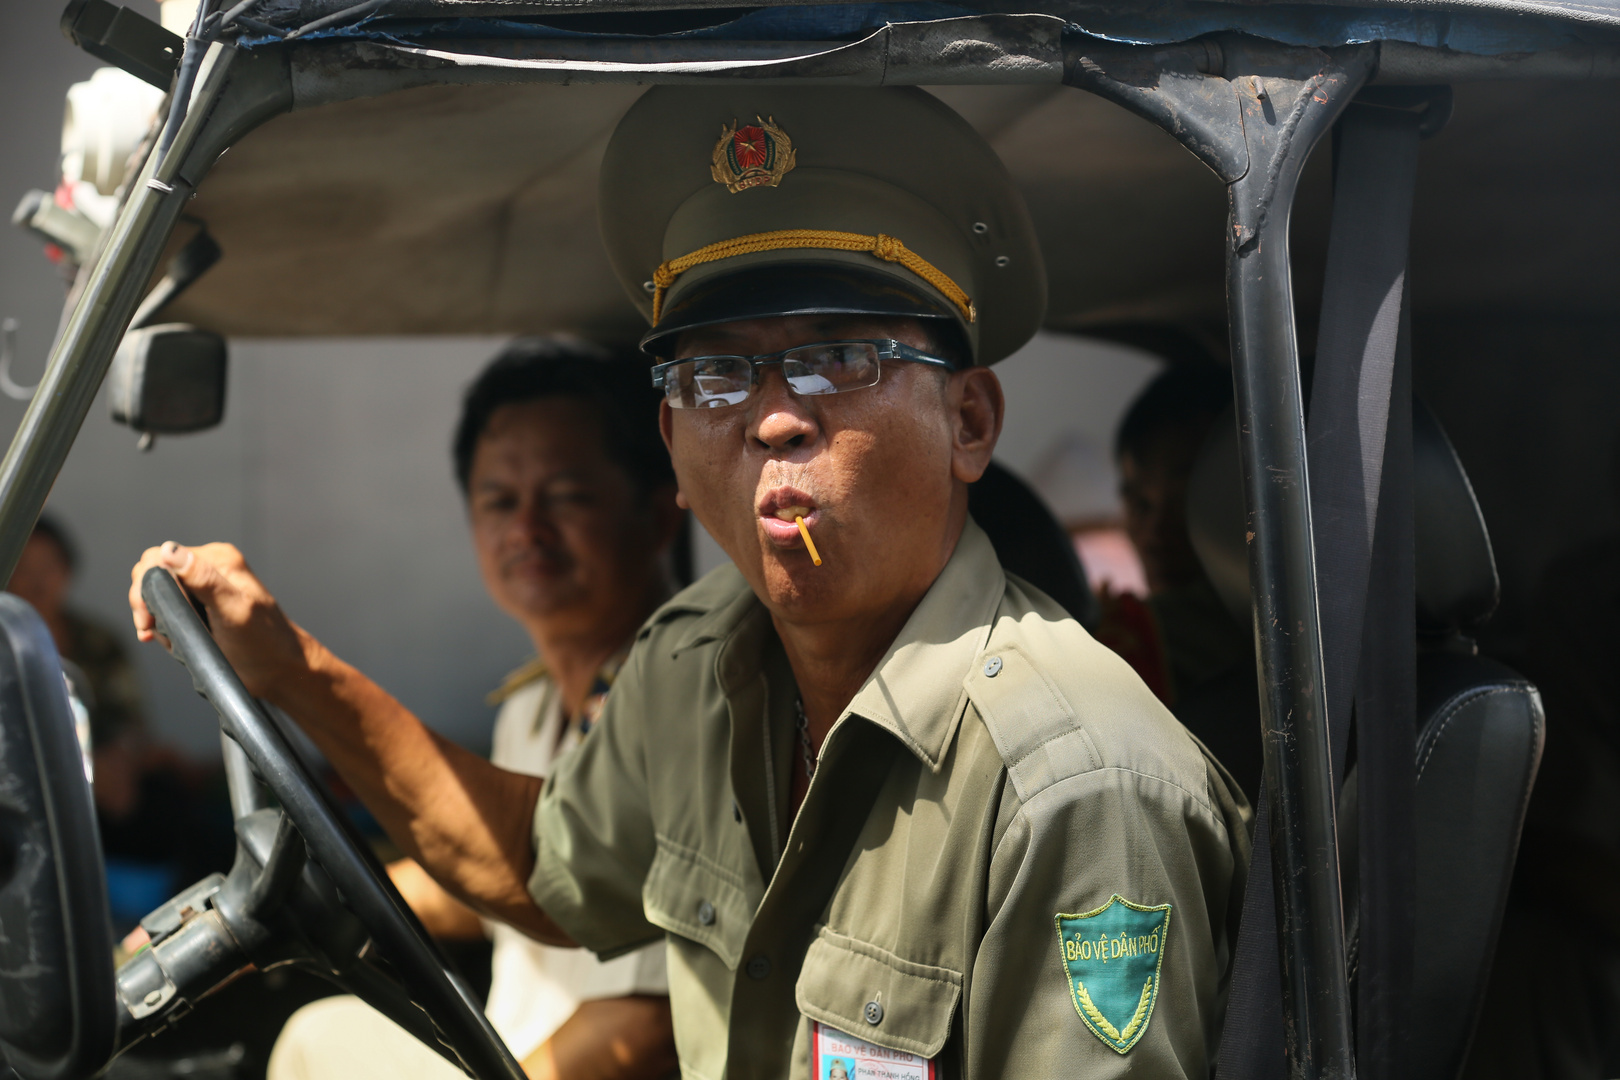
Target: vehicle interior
pixel 1392 222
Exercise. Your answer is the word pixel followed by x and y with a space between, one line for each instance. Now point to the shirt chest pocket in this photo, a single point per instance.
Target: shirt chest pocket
pixel 689 895
pixel 874 995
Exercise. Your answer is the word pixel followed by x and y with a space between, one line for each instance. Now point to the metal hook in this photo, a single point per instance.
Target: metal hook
pixel 8 349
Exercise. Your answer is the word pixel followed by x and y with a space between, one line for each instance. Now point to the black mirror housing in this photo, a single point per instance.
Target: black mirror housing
pixel 169 379
pixel 58 1015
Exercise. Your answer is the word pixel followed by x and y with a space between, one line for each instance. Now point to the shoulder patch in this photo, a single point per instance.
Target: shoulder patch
pixel 1111 957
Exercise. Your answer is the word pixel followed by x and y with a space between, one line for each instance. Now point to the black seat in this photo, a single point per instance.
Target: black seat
pixel 1030 542
pixel 1479 733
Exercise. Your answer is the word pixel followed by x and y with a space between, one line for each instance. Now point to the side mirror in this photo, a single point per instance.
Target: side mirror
pixel 168 380
pixel 58 1003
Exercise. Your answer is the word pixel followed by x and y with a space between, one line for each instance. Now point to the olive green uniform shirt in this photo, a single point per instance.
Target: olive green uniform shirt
pixel 999 769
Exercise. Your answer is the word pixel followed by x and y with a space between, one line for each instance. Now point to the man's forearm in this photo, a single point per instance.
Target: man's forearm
pixel 466 821
pixel 442 915
pixel 626 1038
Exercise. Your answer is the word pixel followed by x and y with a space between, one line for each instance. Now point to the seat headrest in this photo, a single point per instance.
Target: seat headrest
pixel 1455 570
pixel 1030 542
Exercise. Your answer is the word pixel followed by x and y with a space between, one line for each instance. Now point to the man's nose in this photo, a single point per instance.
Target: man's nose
pixel 779 420
pixel 533 522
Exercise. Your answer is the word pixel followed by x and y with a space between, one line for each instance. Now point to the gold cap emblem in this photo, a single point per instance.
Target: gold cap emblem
pixel 755 155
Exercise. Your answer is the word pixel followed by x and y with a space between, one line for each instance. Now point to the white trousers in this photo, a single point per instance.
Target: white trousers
pixel 343 1038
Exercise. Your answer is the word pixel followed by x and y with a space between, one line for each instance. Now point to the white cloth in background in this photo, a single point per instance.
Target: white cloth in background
pixel 536 987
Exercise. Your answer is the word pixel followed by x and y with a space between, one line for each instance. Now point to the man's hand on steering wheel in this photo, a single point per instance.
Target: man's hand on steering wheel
pixel 305 888
pixel 465 820
pixel 262 644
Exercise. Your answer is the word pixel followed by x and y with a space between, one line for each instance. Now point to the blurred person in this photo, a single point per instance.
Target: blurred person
pixel 43 577
pixel 1181 635
pixel 163 819
pixel 1158 439
pixel 570 500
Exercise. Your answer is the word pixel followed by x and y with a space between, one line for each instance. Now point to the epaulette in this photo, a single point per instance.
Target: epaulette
pixel 517 679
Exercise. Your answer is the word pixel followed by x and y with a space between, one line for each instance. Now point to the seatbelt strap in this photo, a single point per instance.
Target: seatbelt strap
pixel 1355 372
pixel 1362 294
pixel 1386 769
pixel 1360 444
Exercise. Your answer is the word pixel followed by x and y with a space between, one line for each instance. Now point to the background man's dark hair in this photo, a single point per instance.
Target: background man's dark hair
pixel 617 385
pixel 1184 398
pixel 53 530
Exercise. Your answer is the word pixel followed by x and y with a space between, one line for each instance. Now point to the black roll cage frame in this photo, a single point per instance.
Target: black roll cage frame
pixel 1251 109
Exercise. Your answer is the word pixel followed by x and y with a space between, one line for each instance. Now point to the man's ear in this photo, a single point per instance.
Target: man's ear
pixel 666 428
pixel 667 515
pixel 977 408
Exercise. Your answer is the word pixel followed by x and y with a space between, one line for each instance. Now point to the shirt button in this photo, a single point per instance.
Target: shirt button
pixel 874 1013
pixel 759 967
pixel 706 913
pixel 992 668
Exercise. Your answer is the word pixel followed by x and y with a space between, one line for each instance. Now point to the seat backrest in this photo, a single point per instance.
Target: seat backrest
pixel 1478 742
pixel 1480 733
pixel 1030 542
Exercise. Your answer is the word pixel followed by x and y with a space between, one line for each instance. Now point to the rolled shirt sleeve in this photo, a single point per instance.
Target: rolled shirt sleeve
pixel 593 828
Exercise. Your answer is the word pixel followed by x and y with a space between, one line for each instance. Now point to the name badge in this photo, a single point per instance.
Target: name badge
pixel 836 1056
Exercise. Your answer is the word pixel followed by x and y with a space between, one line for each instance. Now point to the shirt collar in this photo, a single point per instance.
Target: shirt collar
pixel 917 692
pixel 722 600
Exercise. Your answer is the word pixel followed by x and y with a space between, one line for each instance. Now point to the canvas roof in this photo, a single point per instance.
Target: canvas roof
pixel 470 207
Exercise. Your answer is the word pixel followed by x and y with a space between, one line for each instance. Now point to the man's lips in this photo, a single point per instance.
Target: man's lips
pixel 785 533
pixel 779 512
pixel 536 564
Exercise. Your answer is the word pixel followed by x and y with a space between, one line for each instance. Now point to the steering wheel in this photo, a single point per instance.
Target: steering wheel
pixel 280 907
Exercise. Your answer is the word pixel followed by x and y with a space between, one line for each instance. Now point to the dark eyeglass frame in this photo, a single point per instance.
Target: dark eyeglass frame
pixel 887 349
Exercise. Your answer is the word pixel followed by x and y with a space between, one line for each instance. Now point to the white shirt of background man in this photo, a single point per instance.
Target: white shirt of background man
pixel 534 987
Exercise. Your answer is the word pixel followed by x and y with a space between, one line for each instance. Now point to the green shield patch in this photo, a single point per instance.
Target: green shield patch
pixel 1112 957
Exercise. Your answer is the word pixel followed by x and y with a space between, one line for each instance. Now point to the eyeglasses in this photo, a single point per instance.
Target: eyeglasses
pixel 829 367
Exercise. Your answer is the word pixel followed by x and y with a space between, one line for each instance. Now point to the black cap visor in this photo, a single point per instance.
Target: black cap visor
pixel 780 290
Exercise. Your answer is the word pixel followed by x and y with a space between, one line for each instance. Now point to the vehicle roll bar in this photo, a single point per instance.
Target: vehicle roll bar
pixel 1252 111
pixel 1284 116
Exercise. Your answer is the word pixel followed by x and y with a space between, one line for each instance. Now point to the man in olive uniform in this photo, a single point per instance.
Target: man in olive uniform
pixel 885 804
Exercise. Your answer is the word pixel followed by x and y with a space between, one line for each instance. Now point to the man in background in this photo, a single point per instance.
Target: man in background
pixel 163 819
pixel 1181 638
pixel 571 501
pixel 1183 635
pixel 44 574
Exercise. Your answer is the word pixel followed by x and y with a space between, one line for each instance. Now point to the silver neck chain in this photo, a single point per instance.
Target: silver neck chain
pixel 805 745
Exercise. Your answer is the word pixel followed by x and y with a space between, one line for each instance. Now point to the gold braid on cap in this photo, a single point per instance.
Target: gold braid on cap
pixel 886 248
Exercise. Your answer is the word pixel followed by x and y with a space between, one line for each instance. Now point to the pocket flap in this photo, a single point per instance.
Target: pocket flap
pixel 692 896
pixel 916 1002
